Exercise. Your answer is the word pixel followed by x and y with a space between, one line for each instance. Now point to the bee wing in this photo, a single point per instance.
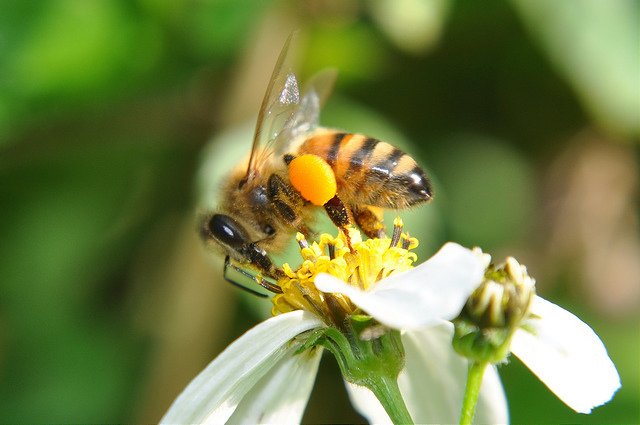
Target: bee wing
pixel 322 84
pixel 284 114
pixel 280 102
pixel 306 116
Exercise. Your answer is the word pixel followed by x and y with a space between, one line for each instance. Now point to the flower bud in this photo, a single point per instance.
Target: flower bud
pixel 493 312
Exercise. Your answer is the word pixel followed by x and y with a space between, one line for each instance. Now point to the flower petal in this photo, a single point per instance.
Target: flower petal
pixel 367 404
pixel 282 394
pixel 433 383
pixel 567 356
pixel 436 289
pixel 215 393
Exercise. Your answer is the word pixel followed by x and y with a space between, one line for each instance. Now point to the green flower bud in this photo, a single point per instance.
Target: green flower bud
pixel 493 312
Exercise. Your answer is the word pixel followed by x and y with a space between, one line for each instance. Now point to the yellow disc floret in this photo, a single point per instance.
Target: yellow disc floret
pixel 313 177
pixel 370 261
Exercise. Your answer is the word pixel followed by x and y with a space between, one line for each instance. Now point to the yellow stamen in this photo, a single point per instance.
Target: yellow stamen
pixel 370 261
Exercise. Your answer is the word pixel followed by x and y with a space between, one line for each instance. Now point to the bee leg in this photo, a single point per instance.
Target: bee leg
pixel 276 289
pixel 307 232
pixel 369 220
pixel 339 215
pixel 286 201
pixel 227 264
pixel 258 279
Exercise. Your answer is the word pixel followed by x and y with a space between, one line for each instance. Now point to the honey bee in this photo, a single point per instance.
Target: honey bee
pixel 295 168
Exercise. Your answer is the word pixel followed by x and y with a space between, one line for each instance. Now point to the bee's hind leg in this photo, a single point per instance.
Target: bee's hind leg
pixel 369 220
pixel 340 216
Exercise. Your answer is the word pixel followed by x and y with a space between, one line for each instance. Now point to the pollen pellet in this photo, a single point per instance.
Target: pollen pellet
pixel 313 177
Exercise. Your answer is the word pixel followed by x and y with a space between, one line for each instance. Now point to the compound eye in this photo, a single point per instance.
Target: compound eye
pixel 227 231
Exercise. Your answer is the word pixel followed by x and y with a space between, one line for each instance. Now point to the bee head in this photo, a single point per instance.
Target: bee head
pixel 229 234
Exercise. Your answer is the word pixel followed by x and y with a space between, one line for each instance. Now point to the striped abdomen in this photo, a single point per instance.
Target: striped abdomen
pixel 369 171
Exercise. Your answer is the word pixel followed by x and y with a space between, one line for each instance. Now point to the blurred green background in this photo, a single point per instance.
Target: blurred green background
pixel 526 114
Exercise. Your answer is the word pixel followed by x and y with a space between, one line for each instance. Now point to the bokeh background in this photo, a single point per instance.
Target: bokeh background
pixel 117 117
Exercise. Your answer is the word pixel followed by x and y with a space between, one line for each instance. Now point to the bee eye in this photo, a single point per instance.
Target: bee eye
pixel 227 231
pixel 268 230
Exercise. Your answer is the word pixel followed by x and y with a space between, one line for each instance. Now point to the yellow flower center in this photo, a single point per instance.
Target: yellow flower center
pixel 361 266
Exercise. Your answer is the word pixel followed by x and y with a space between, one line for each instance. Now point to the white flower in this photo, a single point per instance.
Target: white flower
pixel 261 377
pixel 258 377
pixel 567 356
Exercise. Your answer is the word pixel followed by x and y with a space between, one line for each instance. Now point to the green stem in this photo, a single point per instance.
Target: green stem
pixel 386 390
pixel 472 391
pixel 374 364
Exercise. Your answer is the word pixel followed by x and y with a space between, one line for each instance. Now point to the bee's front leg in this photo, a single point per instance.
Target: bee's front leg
pixel 287 202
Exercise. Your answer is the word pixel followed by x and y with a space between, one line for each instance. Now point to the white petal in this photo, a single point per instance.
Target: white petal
pixel 433 383
pixel 436 289
pixel 435 379
pixel 367 404
pixel 282 394
pixel 215 393
pixel 567 356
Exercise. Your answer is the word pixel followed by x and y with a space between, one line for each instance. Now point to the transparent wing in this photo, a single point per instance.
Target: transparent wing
pixel 280 102
pixel 284 114
pixel 306 116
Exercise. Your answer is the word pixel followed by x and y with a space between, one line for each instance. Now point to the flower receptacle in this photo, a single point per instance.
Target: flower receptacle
pixel 369 355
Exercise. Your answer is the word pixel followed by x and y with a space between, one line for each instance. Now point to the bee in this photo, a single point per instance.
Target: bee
pixel 295 168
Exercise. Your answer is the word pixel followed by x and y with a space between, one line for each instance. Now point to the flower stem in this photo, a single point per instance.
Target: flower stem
pixel 386 390
pixel 371 363
pixel 471 392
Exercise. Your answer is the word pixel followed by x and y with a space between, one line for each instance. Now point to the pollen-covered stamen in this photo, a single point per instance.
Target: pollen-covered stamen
pixel 332 251
pixel 397 231
pixel 405 243
pixel 362 264
pixel 302 242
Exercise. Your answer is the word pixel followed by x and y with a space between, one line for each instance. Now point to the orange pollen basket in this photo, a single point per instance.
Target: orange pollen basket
pixel 313 177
